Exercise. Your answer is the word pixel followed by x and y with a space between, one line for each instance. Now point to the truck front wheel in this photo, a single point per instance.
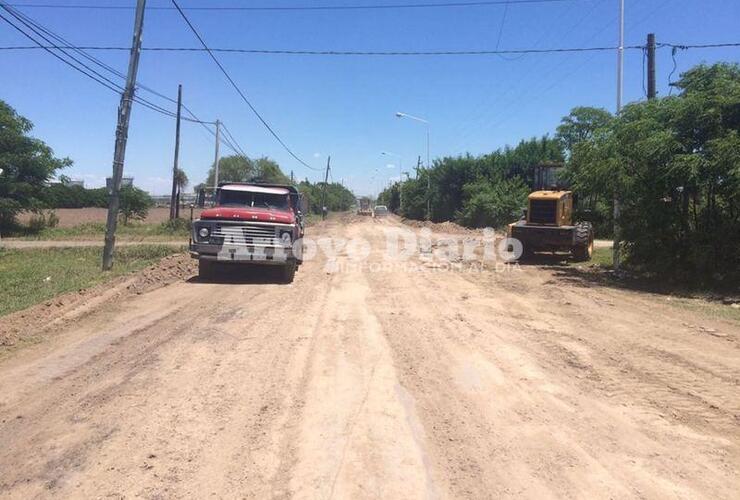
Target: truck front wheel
pixel 287 272
pixel 206 269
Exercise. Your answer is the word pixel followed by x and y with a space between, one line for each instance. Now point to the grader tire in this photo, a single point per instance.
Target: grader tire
pixel 584 244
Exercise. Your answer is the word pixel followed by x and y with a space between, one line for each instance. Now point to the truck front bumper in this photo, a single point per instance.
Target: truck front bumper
pixel 257 254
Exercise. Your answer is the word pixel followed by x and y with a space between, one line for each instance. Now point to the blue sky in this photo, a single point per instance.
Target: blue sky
pixel 344 106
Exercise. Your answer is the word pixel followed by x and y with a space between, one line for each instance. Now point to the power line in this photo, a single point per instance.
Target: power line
pixel 376 53
pixel 42 32
pixel 233 140
pixel 288 8
pixel 360 53
pixel 699 46
pixel 238 90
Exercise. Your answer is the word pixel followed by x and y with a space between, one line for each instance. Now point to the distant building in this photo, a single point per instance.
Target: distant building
pixel 67 182
pixel 125 182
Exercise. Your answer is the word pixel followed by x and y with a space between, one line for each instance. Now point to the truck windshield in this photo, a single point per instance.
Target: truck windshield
pixel 228 198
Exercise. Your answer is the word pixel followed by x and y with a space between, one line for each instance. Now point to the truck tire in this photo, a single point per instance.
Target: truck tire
pixel 206 269
pixel 584 242
pixel 287 272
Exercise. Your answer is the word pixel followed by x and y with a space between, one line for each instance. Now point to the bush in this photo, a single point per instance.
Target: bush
pixel 176 226
pixel 493 204
pixel 42 220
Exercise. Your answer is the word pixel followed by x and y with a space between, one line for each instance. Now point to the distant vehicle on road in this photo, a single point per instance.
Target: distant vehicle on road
pixel 364 206
pixel 250 224
pixel 380 211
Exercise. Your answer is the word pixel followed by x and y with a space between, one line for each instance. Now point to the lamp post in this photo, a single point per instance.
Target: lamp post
pixel 429 166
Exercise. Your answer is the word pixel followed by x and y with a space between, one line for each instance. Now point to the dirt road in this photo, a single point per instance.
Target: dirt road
pixel 377 382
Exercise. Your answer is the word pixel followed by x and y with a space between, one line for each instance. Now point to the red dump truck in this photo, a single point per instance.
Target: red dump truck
pixel 250 223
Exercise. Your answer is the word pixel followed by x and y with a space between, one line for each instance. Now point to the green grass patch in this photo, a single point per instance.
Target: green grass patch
pixel 711 309
pixel 135 231
pixel 603 257
pixel 28 277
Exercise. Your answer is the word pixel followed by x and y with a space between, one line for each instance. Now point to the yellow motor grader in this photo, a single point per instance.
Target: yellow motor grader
pixel 547 224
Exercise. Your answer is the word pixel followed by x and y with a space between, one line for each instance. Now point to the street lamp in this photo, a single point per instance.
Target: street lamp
pixel 429 166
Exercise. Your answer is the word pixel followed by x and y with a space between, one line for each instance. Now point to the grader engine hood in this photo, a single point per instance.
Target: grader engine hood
pixel 550 208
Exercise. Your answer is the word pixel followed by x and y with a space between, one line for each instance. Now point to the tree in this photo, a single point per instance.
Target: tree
pixel 268 171
pixel 581 125
pixel 181 180
pixel 338 197
pixel 135 204
pixel 675 163
pixel 234 168
pixel 237 168
pixel 26 165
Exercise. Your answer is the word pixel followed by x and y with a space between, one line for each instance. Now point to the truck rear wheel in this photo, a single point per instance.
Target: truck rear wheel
pixel 287 272
pixel 584 242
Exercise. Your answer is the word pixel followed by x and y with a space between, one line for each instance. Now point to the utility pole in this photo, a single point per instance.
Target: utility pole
pixel 323 191
pixel 173 198
pixel 620 84
pixel 291 177
pixel 215 161
pixel 651 66
pixel 124 115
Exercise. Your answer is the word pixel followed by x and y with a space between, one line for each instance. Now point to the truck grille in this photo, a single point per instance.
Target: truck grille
pixel 542 211
pixel 246 234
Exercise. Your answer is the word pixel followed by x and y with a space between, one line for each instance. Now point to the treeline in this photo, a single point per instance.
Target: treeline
pixel 65 195
pixel 477 191
pixel 673 163
pixel 338 197
pixel 238 168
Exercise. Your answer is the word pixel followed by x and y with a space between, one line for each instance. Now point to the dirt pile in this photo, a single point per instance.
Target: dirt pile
pixel 35 321
pixel 448 227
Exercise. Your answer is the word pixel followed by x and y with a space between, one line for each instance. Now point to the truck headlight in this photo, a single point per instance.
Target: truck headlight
pixel 286 238
pixel 204 232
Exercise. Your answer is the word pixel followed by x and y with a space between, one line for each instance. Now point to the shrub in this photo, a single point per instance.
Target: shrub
pixel 42 220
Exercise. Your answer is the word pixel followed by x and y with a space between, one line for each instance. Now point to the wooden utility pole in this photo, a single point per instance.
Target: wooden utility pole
pixel 174 198
pixel 215 161
pixel 651 66
pixel 323 191
pixel 291 177
pixel 124 115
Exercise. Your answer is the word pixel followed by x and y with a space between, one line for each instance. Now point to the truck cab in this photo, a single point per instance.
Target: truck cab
pixel 250 224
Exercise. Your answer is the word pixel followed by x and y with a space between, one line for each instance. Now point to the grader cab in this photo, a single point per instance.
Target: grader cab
pixel 548 225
